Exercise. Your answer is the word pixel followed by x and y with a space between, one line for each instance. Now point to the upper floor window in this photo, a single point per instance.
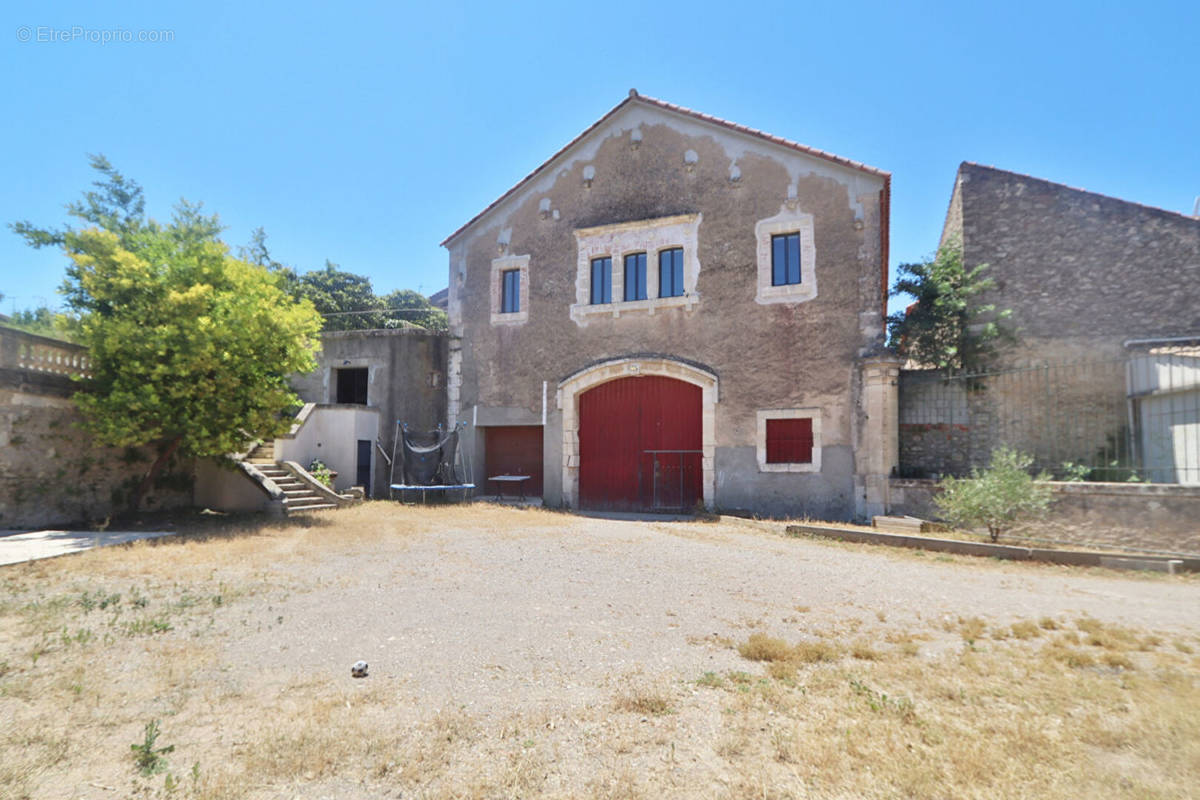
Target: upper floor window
pixel 635 276
pixel 636 267
pixel 510 302
pixel 670 272
pixel 352 385
pixel 510 290
pixel 785 259
pixel 601 280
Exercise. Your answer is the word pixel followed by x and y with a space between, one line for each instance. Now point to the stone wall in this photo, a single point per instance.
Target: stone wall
pixel 1081 272
pixel 1073 413
pixel 1153 517
pixel 51 472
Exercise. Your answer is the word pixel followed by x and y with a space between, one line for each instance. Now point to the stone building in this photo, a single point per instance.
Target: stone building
pixel 1082 273
pixel 1103 294
pixel 675 309
pixel 365 382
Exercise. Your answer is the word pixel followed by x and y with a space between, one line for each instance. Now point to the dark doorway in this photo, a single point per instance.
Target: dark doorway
pixel 515 450
pixel 362 475
pixel 352 386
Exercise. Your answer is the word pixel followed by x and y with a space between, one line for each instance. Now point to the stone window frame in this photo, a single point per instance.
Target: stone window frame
pixel 499 267
pixel 786 221
pixel 760 439
pixel 649 236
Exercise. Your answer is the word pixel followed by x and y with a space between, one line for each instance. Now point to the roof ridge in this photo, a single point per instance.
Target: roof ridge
pixel 634 97
pixel 1080 189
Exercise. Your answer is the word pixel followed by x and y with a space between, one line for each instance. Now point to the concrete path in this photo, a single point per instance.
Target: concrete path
pixel 17 546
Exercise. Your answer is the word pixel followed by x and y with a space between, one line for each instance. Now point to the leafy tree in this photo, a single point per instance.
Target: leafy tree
pixel 996 498
pixel 947 327
pixel 412 307
pixel 190 347
pixel 44 322
pixel 346 300
pixel 341 295
pixel 256 252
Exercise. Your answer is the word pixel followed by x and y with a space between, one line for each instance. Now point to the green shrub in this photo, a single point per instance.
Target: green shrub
pixel 996 498
pixel 318 470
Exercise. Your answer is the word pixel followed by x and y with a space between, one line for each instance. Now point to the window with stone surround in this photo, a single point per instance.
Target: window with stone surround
pixel 786 257
pixel 626 248
pixel 510 290
pixel 789 440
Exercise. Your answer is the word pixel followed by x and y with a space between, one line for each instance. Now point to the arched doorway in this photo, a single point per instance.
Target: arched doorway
pixel 573 387
pixel 640 445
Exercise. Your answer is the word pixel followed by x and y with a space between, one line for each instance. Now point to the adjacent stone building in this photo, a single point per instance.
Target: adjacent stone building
pixel 1082 273
pixel 366 381
pixel 676 310
pixel 1104 296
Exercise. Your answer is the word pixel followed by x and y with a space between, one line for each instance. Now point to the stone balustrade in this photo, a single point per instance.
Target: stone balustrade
pixel 33 353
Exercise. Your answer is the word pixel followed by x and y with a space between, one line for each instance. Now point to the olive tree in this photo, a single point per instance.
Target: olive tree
pixel 995 498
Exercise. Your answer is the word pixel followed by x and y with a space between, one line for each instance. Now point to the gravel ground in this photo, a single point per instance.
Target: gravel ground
pixel 490 621
pixel 519 653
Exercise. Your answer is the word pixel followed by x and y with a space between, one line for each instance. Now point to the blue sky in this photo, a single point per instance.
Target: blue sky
pixel 366 134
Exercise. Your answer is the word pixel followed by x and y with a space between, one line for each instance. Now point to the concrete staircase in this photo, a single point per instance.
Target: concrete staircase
pixel 299 497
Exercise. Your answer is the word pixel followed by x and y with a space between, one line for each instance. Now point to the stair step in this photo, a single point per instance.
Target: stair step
pixel 309 507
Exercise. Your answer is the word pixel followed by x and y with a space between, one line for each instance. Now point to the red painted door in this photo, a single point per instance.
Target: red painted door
pixel 514 450
pixel 639 445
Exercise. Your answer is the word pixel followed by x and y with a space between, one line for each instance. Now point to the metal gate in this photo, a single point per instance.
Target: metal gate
pixel 640 445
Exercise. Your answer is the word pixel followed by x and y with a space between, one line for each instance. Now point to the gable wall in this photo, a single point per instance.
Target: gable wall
pixel 1081 272
pixel 776 356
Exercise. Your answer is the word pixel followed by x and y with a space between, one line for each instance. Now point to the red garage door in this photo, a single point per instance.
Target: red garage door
pixel 514 450
pixel 639 445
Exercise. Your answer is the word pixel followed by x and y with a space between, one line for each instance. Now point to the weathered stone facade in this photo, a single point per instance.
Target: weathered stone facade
pixel 51 471
pixel 1081 272
pixel 651 175
pixel 1085 277
pixel 406 381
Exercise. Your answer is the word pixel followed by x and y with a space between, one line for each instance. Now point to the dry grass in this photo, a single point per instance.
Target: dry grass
pixel 1081 720
pixel 760 647
pixel 94 647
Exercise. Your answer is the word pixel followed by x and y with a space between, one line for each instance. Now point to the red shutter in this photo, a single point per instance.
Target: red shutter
pixel 789 441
